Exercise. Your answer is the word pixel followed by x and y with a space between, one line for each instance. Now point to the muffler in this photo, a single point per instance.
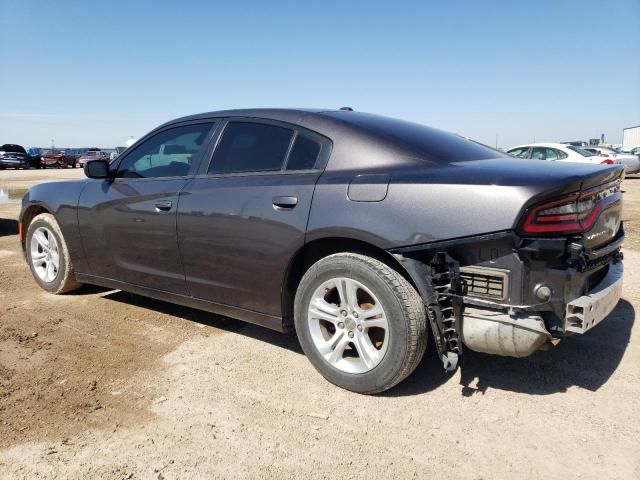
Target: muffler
pixel 498 333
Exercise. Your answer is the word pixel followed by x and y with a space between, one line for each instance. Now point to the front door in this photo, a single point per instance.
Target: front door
pixel 240 223
pixel 128 223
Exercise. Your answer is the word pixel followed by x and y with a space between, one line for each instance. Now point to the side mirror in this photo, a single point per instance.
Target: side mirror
pixel 97 169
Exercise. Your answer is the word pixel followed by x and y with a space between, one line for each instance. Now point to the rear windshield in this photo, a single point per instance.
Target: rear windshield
pixel 12 148
pixel 581 151
pixel 439 146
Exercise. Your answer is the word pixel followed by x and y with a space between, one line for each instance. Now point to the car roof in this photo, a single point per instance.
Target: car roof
pixel 360 140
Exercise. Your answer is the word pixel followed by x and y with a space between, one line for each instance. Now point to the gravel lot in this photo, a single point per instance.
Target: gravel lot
pixel 107 385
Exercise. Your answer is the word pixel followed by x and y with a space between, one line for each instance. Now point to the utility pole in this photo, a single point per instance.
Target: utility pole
pixel 496 141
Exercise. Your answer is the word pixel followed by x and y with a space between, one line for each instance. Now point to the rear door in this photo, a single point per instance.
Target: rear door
pixel 128 224
pixel 241 220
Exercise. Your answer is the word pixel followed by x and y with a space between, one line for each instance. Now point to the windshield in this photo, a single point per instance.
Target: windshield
pixel 581 151
pixel 92 154
pixel 12 148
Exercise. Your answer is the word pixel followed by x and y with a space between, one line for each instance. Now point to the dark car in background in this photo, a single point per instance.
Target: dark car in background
pixel 13 156
pixel 35 157
pixel 58 158
pixel 363 233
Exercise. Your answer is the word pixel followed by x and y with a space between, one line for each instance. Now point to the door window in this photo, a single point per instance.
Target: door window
pixel 251 147
pixel 171 153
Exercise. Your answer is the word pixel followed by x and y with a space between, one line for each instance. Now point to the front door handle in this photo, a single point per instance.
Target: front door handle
pixel 163 206
pixel 284 203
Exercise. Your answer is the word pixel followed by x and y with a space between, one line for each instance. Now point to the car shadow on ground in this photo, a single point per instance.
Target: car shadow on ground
pixel 288 341
pixel 8 227
pixel 585 361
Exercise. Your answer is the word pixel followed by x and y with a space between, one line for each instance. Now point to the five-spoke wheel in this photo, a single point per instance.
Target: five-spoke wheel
pixel 361 324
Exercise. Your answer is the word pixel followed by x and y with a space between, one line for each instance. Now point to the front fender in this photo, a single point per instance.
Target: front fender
pixel 61 200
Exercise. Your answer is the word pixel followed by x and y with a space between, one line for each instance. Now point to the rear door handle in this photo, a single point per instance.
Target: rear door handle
pixel 285 203
pixel 163 205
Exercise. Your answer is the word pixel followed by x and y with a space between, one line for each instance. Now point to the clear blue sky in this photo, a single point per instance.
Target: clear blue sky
pixel 94 73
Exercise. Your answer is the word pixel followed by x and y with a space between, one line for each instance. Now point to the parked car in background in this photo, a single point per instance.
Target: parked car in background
pixel 13 156
pixel 630 161
pixel 365 234
pixel 35 157
pixel 92 155
pixel 117 152
pixel 635 150
pixel 58 158
pixel 557 152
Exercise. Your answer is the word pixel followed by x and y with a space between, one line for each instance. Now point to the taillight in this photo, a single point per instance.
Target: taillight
pixel 573 213
pixel 608 161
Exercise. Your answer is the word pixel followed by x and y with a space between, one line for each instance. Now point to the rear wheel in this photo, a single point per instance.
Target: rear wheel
pixel 48 255
pixel 361 324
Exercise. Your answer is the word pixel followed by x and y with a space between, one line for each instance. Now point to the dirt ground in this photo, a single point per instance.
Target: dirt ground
pixel 107 385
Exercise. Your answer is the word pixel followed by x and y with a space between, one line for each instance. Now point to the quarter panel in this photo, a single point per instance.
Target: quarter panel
pixel 413 213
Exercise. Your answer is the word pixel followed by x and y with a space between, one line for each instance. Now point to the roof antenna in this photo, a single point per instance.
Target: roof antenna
pixel 346 109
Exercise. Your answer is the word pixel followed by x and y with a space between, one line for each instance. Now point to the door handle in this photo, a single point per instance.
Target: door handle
pixel 163 205
pixel 284 203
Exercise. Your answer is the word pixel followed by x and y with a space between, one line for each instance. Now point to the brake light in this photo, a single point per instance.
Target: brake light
pixel 573 213
pixel 608 161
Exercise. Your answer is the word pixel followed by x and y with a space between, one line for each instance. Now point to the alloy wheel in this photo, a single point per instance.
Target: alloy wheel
pixel 348 325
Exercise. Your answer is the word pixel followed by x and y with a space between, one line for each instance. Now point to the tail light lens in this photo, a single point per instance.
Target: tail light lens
pixel 573 213
pixel 608 161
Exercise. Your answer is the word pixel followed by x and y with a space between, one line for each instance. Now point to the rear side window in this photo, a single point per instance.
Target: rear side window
pixel 304 154
pixel 581 151
pixel 251 147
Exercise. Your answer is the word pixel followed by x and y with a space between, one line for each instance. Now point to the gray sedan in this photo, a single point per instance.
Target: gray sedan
pixel 362 233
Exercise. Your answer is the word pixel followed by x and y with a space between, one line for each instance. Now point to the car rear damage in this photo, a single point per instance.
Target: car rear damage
pixel 557 272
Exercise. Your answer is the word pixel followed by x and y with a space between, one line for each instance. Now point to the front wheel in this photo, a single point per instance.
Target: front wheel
pixel 361 324
pixel 48 255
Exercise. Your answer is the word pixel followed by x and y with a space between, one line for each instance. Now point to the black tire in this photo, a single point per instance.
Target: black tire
pixel 65 280
pixel 404 310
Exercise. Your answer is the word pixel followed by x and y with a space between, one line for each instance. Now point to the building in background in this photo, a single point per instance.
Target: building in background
pixel 630 137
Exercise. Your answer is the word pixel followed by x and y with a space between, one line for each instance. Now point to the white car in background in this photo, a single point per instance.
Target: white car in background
pixel 630 161
pixel 635 150
pixel 557 152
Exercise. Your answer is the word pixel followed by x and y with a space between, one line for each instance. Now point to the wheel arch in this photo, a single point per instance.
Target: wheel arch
pixel 320 248
pixel 27 217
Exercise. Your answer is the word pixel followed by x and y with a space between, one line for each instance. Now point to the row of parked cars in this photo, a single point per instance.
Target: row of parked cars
pixel 16 156
pixel 583 154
